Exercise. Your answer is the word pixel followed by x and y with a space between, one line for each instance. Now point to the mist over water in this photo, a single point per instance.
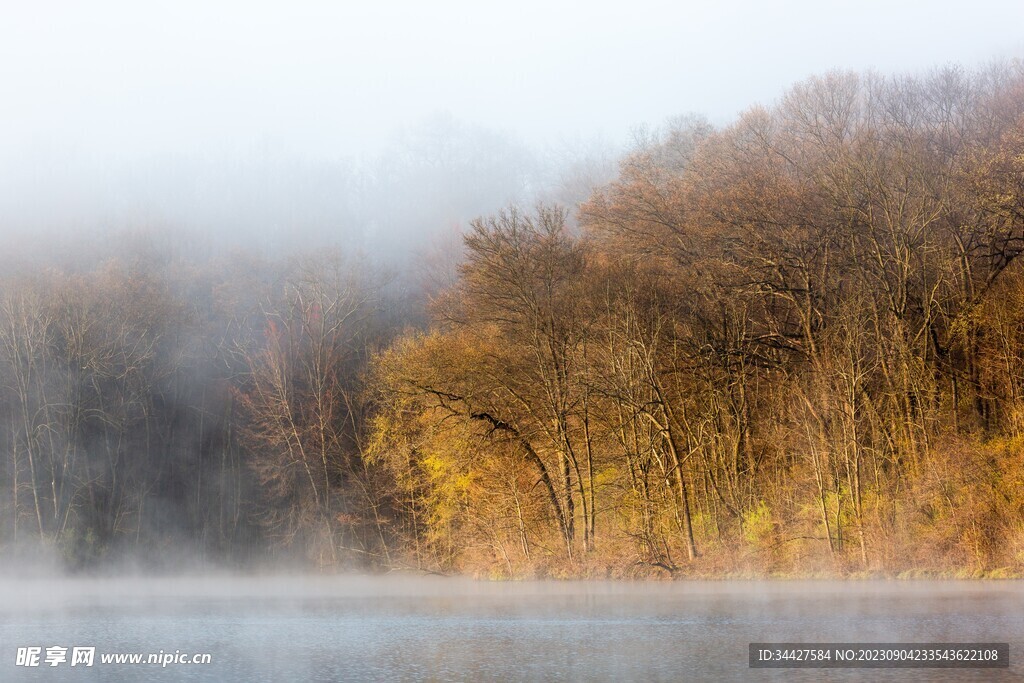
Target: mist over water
pixel 395 628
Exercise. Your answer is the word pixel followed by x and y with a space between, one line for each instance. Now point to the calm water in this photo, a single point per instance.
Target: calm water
pixel 404 629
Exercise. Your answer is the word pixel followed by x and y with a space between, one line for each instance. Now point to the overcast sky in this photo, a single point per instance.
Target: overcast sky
pixel 117 79
pixel 255 119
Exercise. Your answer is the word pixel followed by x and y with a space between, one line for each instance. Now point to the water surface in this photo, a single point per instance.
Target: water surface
pixel 295 628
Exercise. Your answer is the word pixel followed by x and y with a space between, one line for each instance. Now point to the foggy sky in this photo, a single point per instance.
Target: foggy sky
pixel 93 92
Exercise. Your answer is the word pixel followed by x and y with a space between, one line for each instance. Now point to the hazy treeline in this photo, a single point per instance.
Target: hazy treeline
pixel 429 179
pixel 135 409
pixel 792 344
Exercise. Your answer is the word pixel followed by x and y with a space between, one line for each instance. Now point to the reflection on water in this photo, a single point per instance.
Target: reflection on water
pixel 435 629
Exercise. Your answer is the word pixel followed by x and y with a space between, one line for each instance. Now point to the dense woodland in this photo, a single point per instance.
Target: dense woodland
pixel 792 345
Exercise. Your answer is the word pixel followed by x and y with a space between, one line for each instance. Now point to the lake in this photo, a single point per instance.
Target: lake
pixel 400 628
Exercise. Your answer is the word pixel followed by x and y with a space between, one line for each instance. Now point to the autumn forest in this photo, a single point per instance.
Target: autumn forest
pixel 791 345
